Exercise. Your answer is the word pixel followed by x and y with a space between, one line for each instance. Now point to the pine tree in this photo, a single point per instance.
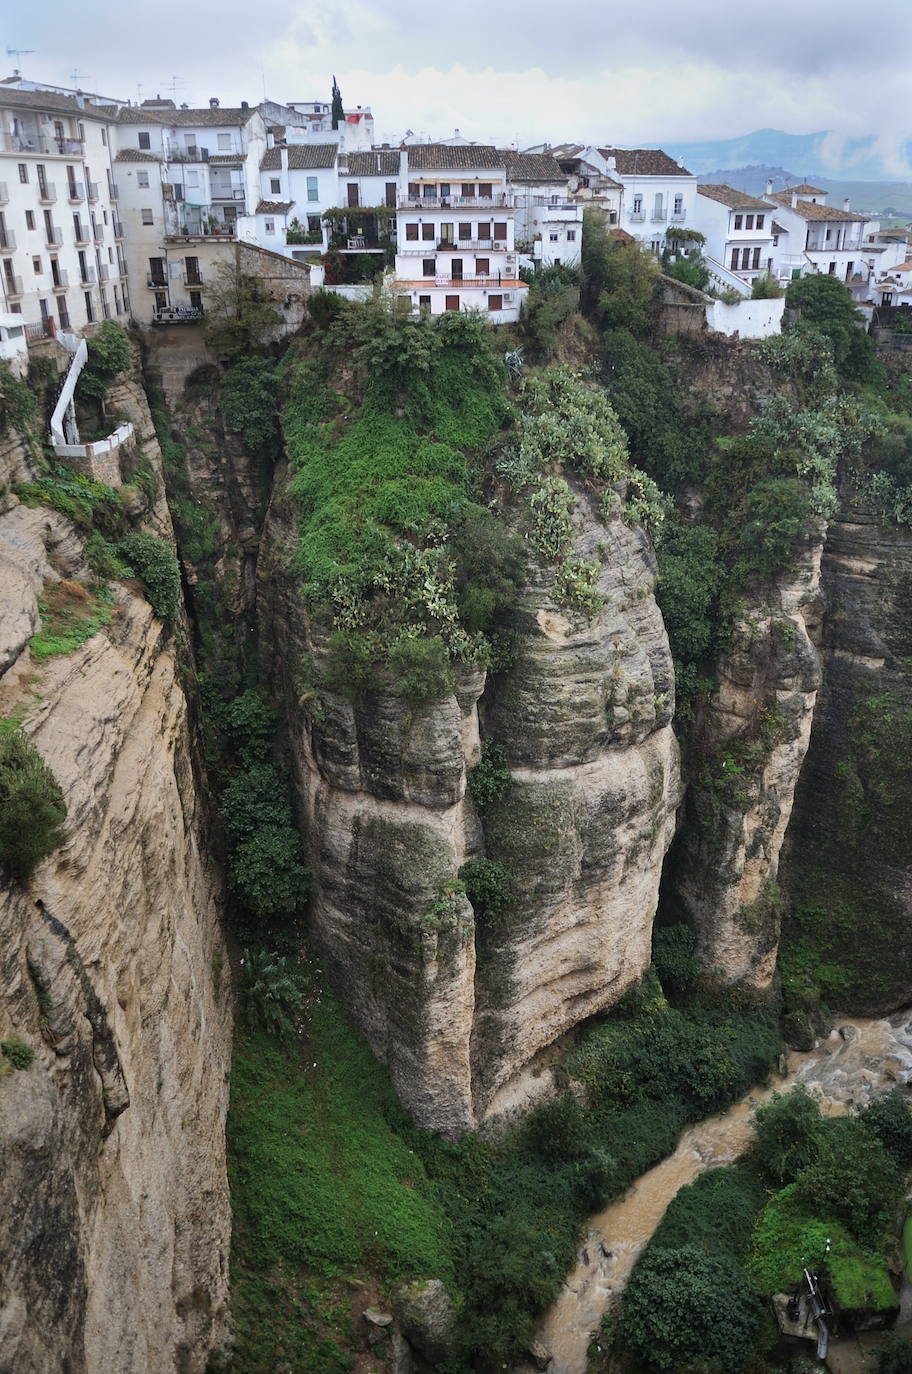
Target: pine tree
pixel 338 114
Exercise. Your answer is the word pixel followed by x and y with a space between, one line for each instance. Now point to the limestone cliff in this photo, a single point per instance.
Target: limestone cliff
pixel 723 869
pixel 113 1192
pixel 583 717
pixel 847 858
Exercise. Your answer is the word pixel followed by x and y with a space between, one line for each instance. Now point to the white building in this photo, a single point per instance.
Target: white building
pixel 659 193
pixel 305 178
pixel 61 240
pixel 588 179
pixel 811 236
pixel 549 224
pixel 738 230
pixel 355 133
pixel 456 239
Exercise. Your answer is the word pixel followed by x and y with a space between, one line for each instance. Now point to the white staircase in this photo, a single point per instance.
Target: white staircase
pixel 64 430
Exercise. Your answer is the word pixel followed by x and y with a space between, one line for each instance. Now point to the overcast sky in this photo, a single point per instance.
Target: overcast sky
pixel 626 72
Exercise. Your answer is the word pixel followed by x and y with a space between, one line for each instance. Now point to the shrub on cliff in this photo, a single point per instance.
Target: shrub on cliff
pixel 788 1134
pixel 155 563
pixel 248 403
pixel 272 992
pixel 824 303
pixel 889 1119
pixel 109 355
pixel 266 871
pixel 32 809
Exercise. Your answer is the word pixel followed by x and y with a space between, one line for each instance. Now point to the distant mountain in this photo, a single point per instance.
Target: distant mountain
pixel 884 198
pixel 812 155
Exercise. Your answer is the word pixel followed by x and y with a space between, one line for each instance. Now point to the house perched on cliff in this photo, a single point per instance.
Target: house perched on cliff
pixel 659 193
pixel 738 230
pixel 811 236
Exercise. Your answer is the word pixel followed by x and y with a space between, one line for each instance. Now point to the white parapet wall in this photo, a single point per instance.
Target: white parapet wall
pixel 101 459
pixel 748 318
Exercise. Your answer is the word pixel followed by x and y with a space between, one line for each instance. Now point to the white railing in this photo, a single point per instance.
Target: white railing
pixel 47 194
pixel 75 192
pixel 4 193
pixel 7 241
pixel 63 410
pixel 724 279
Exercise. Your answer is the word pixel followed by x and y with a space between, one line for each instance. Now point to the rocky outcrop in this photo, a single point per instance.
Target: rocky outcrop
pixel 459 1013
pixel 847 857
pixel 114 1219
pixel 723 870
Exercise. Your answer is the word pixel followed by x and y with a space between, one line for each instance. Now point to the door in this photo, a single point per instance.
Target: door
pixel 391 194
pixel 456 269
pixel 452 302
pixel 353 198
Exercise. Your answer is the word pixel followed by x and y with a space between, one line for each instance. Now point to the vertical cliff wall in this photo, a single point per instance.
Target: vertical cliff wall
pixel 459 1012
pixel 847 859
pixel 114 1218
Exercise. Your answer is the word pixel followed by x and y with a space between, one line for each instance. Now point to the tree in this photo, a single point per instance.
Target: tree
pixel 685 1305
pixel 619 279
pixel 824 303
pixel 788 1134
pixel 338 113
pixel 32 809
pixel 853 1179
pixel 238 315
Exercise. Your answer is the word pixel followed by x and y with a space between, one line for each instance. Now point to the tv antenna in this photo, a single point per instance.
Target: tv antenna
pixel 172 85
pixel 18 52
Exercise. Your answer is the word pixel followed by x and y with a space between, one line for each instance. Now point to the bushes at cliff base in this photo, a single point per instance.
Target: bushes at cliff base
pixel 155 564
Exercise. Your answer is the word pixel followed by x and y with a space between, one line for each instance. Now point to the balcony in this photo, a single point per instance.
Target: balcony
pixel 53 236
pixel 92 191
pixel 184 232
pixel 61 279
pixel 7 241
pixel 637 217
pixel 177 314
pixel 193 154
pixel 34 333
pixel 455 202
pixel 113 191
pixel 47 194
pixel 87 275
pixel 658 216
pixel 98 233
pixel 103 273
pixel 75 192
pixel 229 194
pixel 454 283
pixel 678 216
pixel 13 285
pixel 425 247
pixel 157 283
pixel 81 231
pixel 39 143
pixel 193 279
pixel 4 193
pixel 118 229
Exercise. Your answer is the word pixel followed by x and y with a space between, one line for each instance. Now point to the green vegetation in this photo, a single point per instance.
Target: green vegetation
pixel 18 406
pixel 491 888
pixel 551 308
pixel 71 613
pixel 889 1118
pixel 824 303
pixel 89 504
pixel 247 397
pixel 155 563
pixel 32 809
pixel 109 356
pixel 619 279
pixel 239 316
pixel 17 1053
pixel 272 992
pixel 490 779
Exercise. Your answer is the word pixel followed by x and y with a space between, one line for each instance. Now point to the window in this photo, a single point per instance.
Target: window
pixel 269 226
pixel 193 178
pixel 465 231
pixel 104 144
pixel 571 236
pixel 748 221
pixel 390 196
pixel 275 185
pixel 483 266
pixel 468 190
pixel 354 196
pixel 484 231
pixel 104 216
pixel 142 180
pixel 36 266
pixel 678 205
pixel 756 260
pixel 411 232
pixel 832 269
pixel 735 259
pixel 555 238
pixel 312 189
pixel 23 173
pixel 760 221
pixel 145 140
pixel 314 223
pixel 446 233
pixel 638 205
pixel 850 268
pixel 161 300
pixel 495 302
pixel 485 190
pixel 90 312
pixel 30 219
pixel 500 230
pixel 157 273
pixel 146 216
pixel 429 267
pixel 116 301
pixel 739 221
pixel 444 190
pixel 452 302
pixel 427 230
pixel 424 303
pixel 413 190
pixel 82 131
pixel 224 143
pixel 196 300
pixel 110 255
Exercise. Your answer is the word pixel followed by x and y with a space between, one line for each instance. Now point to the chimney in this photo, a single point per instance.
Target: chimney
pixel 283 159
pixel 244 105
pixel 769 186
pixel 794 199
pixel 213 102
pixel 845 203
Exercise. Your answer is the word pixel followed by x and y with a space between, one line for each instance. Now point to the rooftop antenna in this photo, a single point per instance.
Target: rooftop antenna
pixel 18 52
pixel 172 85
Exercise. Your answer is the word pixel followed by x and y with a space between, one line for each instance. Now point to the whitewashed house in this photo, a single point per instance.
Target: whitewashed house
pixel 456 233
pixel 304 178
pixel 738 230
pixel 549 224
pixel 659 193
pixel 811 236
pixel 62 264
pixel 589 181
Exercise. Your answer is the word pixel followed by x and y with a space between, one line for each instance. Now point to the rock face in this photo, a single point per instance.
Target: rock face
pixel 723 870
pixel 847 858
pixel 460 1013
pixel 114 1217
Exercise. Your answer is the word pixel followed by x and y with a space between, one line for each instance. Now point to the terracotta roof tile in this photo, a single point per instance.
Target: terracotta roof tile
pixel 453 157
pixel 649 162
pixel 137 155
pixel 727 195
pixel 273 207
pixel 531 166
pixel 60 104
pixel 189 119
pixel 301 157
pixel 381 162
pixel 811 210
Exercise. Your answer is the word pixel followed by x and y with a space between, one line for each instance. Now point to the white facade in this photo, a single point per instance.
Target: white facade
pixel 549 224
pixel 456 234
pixel 61 241
pixel 810 236
pixel 659 193
pixel 738 230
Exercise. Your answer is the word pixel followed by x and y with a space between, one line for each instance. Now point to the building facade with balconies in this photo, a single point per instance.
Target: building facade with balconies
pixel 549 224
pixel 305 178
pixel 659 193
pixel 61 253
pixel 456 233
pixel 811 236
pixel 738 230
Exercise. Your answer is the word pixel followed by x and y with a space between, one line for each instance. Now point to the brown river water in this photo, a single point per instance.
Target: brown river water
pixel 857 1061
